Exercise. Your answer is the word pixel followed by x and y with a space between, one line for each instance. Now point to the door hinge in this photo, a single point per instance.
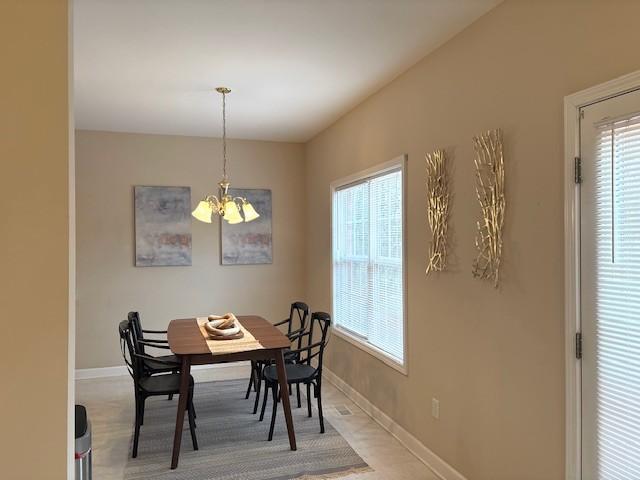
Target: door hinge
pixel 578 345
pixel 577 170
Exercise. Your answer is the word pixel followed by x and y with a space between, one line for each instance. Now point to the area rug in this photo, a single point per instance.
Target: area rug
pixel 233 443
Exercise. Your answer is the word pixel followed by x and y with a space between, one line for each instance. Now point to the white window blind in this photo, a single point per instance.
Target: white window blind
pixel 367 262
pixel 618 298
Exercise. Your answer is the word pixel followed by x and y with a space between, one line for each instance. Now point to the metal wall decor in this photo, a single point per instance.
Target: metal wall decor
pixel 489 163
pixel 438 196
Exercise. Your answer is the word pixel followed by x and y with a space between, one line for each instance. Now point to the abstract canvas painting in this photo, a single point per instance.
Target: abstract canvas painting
pixel 248 243
pixel 163 226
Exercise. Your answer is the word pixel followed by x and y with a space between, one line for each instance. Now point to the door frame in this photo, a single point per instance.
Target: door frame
pixel 572 105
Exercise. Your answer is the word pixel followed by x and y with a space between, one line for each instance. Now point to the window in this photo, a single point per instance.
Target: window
pixel 368 261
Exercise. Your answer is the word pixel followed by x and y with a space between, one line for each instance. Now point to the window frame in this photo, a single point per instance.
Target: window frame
pixel 398 163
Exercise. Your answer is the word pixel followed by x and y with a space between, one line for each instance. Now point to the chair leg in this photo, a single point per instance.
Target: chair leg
pixel 309 399
pixel 142 402
pixel 319 395
pixel 274 411
pixel 252 379
pixel 256 380
pixel 298 392
pixel 264 400
pixel 258 388
pixel 190 405
pixel 192 425
pixel 171 394
pixel 136 432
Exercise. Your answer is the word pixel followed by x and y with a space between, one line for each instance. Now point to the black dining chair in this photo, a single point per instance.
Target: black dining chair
pixel 155 364
pixel 298 314
pixel 146 385
pixel 302 371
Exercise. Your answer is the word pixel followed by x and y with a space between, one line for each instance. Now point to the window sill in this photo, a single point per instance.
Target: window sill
pixel 371 350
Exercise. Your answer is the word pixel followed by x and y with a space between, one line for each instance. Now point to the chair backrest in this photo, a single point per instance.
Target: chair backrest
pixel 298 313
pixel 129 354
pixel 320 324
pixel 136 330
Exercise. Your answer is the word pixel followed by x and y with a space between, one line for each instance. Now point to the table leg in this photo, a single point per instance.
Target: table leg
pixel 286 405
pixel 185 373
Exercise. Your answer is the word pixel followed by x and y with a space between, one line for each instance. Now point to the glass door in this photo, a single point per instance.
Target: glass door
pixel 610 288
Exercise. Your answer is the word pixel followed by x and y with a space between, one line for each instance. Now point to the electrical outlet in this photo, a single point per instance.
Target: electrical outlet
pixel 435 408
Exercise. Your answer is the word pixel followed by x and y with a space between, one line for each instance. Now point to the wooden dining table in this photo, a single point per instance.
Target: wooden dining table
pixel 189 345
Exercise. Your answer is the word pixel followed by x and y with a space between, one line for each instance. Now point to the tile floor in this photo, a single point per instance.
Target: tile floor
pixel 110 405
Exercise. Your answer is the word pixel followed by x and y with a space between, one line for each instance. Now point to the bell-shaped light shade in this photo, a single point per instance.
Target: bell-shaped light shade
pixel 249 212
pixel 203 212
pixel 231 213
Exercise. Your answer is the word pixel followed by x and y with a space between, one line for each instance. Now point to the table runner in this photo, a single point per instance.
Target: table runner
pixel 219 347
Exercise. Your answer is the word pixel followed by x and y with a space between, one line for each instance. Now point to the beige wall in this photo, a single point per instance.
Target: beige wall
pixel 34 239
pixel 108 165
pixel 493 358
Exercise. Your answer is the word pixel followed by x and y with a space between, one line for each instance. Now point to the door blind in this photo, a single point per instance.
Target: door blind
pixel 617 306
pixel 367 262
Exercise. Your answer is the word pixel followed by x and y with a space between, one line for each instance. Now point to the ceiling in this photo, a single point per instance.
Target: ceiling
pixel 294 66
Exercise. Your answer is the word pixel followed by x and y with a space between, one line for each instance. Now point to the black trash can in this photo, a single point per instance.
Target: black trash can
pixel 83 444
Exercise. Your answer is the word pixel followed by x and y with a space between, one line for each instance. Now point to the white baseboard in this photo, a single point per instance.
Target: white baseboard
pixel 441 468
pixel 226 370
pixel 88 373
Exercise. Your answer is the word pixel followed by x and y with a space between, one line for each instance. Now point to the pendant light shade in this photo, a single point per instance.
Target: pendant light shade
pixel 249 212
pixel 225 205
pixel 231 212
pixel 203 212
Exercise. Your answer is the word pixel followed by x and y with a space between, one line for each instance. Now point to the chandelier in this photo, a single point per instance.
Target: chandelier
pixel 225 205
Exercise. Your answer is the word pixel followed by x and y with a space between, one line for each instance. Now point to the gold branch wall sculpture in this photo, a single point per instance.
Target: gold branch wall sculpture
pixel 489 163
pixel 438 196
